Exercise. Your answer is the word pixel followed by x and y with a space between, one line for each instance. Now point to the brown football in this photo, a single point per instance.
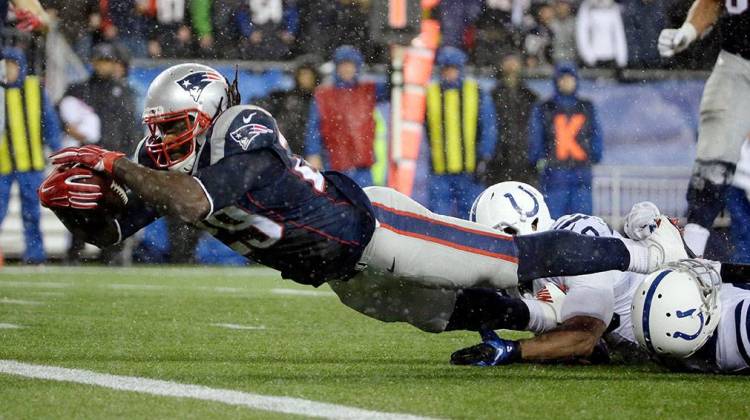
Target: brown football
pixel 114 198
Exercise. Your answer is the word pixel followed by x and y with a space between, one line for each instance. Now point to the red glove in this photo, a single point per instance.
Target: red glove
pixel 27 21
pixel 63 188
pixel 93 157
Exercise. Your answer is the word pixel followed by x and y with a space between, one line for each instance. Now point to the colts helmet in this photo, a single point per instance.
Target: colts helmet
pixel 676 309
pixel 512 207
pixel 181 104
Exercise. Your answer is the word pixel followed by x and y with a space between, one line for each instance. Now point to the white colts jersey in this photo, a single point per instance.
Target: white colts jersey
pixel 729 349
pixel 606 296
pixel 590 295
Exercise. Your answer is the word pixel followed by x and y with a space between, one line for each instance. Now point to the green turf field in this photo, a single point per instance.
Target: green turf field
pixel 161 323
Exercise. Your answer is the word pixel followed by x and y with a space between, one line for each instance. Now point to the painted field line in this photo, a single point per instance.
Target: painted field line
pixel 154 270
pixel 6 326
pixel 20 302
pixel 240 327
pixel 286 405
pixel 298 292
pixel 122 286
pixel 40 284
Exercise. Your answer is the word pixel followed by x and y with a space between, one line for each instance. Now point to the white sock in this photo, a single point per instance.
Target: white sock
pixel 639 261
pixel 696 237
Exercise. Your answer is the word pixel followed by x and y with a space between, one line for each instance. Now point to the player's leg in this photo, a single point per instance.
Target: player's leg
pixel 739 210
pixel 723 127
pixel 389 298
pixel 478 309
pixel 420 246
pixel 28 183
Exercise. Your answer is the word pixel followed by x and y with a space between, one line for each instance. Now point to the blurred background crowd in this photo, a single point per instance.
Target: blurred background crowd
pixel 596 33
pixel 549 92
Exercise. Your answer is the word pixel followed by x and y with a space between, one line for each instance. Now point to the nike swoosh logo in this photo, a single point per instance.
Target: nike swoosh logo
pixel 47 189
pixel 393 266
pixel 248 118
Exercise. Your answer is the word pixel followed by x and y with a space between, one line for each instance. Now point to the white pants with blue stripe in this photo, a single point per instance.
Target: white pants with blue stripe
pixel 416 260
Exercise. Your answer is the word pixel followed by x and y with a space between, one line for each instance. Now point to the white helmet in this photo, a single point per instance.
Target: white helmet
pixel 676 309
pixel 181 104
pixel 512 207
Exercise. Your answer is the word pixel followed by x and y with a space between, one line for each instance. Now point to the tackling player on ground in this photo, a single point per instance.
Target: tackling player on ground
pixel 227 169
pixel 726 98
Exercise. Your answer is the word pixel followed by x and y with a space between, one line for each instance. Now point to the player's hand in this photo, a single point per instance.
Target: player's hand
pixel 93 157
pixel 27 21
pixel 63 188
pixel 640 223
pixel 673 41
pixel 493 351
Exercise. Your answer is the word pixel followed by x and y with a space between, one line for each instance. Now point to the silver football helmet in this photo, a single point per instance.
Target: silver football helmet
pixel 181 105
pixel 512 207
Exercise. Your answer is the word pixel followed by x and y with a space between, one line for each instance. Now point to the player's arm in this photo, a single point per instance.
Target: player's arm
pixel 702 15
pixel 170 193
pixel 576 337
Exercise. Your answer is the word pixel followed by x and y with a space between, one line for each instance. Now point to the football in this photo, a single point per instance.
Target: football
pixel 114 197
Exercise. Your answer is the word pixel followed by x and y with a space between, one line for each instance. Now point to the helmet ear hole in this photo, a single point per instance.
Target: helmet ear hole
pixel 510 230
pixel 535 224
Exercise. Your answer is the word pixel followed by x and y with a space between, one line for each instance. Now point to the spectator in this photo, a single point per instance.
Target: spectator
pixel 643 20
pixel 461 133
pixel 537 44
pixel 105 101
pixel 121 21
pixel 316 17
pixel 564 31
pixel 268 29
pixel 495 34
pixel 290 108
pixel 600 35
pixel 513 102
pixel 352 19
pixel 71 17
pixel 169 34
pixel 31 123
pixel 455 17
pixel 565 140
pixel 341 126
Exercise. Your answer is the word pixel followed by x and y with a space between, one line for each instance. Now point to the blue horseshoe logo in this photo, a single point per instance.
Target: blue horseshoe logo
pixel 682 335
pixel 518 209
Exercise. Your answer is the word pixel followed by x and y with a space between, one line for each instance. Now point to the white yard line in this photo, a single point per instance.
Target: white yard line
pixel 287 405
pixel 6 326
pixel 40 284
pixel 20 302
pixel 299 292
pixel 121 286
pixel 240 327
pixel 155 270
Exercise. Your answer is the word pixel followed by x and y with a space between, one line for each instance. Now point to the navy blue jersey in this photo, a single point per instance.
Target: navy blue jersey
pixel 270 206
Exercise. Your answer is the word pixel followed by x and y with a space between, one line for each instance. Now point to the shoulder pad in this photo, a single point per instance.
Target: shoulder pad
pixel 243 128
pixel 585 225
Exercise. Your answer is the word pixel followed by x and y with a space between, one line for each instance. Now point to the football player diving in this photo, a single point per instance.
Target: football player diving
pixel 227 169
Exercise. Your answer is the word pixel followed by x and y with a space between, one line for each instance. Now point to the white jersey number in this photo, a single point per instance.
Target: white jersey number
pixel 262 231
pixel 735 7
pixel 309 174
